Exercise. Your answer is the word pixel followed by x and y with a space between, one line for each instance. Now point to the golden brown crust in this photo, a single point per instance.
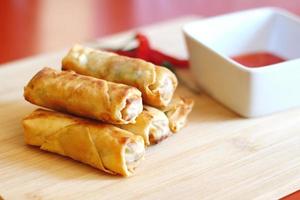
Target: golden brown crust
pixel 177 112
pixel 152 124
pixel 82 95
pixel 100 145
pixel 148 78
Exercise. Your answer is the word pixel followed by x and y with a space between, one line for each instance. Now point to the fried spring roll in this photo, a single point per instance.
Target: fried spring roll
pixel 84 96
pixel 177 112
pixel 156 83
pixel 100 145
pixel 152 124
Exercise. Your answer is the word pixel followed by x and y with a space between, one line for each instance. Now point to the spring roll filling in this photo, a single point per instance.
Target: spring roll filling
pixel 166 89
pixel 134 152
pixel 158 131
pixel 132 108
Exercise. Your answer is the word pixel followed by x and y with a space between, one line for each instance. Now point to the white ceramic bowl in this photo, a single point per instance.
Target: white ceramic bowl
pixel 248 91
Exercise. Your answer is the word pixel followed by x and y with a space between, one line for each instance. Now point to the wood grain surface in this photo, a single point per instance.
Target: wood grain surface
pixel 219 155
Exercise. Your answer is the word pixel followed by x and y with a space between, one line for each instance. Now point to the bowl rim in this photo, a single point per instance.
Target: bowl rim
pixel 186 30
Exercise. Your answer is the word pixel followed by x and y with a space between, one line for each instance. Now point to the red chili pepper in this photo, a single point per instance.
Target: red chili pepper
pixel 131 53
pixel 145 52
pixel 158 58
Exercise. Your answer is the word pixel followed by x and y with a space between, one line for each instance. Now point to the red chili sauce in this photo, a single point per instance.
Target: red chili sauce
pixel 258 59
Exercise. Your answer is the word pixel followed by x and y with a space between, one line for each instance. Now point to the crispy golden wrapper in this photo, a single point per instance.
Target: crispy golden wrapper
pixel 100 145
pixel 84 96
pixel 156 83
pixel 152 124
pixel 177 112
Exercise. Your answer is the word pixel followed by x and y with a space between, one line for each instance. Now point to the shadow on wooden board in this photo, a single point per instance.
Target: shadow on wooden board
pixel 208 110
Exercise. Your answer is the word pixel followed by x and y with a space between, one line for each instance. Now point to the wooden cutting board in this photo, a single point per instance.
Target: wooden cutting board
pixel 219 155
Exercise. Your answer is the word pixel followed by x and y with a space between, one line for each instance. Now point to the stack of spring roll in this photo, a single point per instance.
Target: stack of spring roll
pixel 105 109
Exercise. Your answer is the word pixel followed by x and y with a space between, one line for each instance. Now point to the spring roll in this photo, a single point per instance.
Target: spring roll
pixel 103 146
pixel 84 96
pixel 156 83
pixel 152 124
pixel 177 112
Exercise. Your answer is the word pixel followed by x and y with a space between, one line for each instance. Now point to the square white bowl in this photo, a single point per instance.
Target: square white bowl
pixel 251 92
